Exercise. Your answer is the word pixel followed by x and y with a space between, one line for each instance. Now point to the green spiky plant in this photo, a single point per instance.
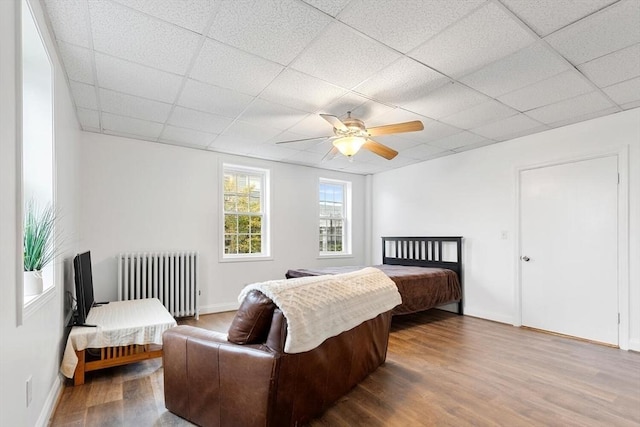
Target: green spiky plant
pixel 39 227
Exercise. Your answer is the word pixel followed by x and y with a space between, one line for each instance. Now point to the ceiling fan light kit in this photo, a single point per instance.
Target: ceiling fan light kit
pixel 349 145
pixel 350 135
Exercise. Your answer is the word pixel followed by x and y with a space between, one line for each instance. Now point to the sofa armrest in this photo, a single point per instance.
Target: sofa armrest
pixel 209 380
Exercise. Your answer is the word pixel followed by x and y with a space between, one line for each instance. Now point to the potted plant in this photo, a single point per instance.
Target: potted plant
pixel 38 235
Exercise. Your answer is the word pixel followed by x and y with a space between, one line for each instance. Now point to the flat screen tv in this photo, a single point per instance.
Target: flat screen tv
pixel 84 286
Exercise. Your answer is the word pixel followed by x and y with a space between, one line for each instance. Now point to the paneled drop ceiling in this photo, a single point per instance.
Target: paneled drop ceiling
pixel 237 76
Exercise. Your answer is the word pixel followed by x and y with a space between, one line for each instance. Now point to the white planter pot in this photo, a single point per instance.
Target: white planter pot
pixel 32 283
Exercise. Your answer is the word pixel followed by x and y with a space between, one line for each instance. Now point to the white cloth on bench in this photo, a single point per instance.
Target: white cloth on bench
pixel 320 307
pixel 118 323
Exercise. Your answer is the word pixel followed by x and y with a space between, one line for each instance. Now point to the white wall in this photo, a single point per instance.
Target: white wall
pixel 143 196
pixel 34 348
pixel 473 194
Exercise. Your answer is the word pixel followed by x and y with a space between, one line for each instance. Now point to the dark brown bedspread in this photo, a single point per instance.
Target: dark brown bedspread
pixel 421 288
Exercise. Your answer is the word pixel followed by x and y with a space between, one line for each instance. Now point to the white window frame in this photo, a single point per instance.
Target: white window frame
pixel 346 218
pixel 265 253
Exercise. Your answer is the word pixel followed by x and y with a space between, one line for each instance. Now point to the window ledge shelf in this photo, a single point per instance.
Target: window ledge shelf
pixel 246 259
pixel 330 256
pixel 36 302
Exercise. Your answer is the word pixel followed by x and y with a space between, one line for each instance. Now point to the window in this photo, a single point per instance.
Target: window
pixel 335 217
pixel 37 147
pixel 246 207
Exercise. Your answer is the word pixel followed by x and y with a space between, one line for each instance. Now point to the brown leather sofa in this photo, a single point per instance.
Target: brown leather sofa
pixel 246 379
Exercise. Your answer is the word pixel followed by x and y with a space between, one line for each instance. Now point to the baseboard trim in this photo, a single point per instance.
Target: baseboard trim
pixel 495 317
pixel 219 308
pixel 634 344
pixel 50 403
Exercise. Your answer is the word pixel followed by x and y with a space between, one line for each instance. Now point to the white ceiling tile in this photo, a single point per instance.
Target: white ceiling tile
pixel 127 77
pixel 188 137
pixel 89 119
pixel 445 101
pixel 630 105
pixel 311 126
pixel 403 81
pixel 332 7
pixel 231 68
pixel 204 122
pixel 486 35
pixel 547 16
pixel 404 27
pixel 272 152
pixel 133 106
pixel 459 140
pixel 369 111
pixel 69 21
pixel 396 115
pixel 249 132
pixel 190 14
pixel 561 86
pixel 433 130
pixel 351 101
pixel 265 113
pixel 130 126
pixel 588 116
pixel 124 33
pixel 274 29
pixel 473 146
pixel 615 67
pixel 624 92
pixel 84 95
pixel 487 112
pixel 324 57
pixel 525 67
pixel 506 127
pixel 306 158
pixel 423 151
pixel 604 32
pixel 78 62
pixel 213 99
pixel 303 92
pixel 574 107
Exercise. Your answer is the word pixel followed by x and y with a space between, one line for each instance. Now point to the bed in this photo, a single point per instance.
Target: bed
pixel 426 270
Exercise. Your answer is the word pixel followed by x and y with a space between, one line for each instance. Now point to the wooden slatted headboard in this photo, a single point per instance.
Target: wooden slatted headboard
pixel 436 252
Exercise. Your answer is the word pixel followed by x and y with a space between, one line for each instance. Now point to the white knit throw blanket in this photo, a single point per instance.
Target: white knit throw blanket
pixel 320 307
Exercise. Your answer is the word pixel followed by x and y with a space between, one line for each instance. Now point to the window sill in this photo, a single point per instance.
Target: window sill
pixel 247 259
pixel 34 303
pixel 331 256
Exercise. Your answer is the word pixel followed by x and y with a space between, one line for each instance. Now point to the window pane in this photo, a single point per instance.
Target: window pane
pixel 254 203
pixel 230 224
pixel 243 223
pixel 255 224
pixel 244 244
pixel 256 243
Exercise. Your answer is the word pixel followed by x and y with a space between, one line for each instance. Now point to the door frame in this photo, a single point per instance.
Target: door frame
pixel 622 154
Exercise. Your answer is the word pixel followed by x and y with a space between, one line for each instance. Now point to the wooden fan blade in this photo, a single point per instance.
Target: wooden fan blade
pixel 396 128
pixel 305 139
pixel 330 155
pixel 380 149
pixel 334 121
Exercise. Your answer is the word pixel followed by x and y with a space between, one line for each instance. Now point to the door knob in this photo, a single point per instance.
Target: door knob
pixel 525 258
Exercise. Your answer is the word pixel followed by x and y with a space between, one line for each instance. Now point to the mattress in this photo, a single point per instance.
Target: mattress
pixel 421 288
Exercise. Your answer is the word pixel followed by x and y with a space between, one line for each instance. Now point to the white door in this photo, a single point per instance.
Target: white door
pixel 569 260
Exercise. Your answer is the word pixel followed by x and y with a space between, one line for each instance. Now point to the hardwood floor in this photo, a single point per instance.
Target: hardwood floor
pixel 442 369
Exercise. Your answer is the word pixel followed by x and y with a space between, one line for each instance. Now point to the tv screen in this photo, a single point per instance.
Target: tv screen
pixel 84 286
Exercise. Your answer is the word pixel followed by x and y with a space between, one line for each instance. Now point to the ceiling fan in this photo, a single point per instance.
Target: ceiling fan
pixel 351 134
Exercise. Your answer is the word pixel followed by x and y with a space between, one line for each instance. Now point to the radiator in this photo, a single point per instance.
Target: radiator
pixel 172 277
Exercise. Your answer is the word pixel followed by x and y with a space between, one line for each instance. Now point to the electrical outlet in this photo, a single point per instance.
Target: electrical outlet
pixel 29 390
